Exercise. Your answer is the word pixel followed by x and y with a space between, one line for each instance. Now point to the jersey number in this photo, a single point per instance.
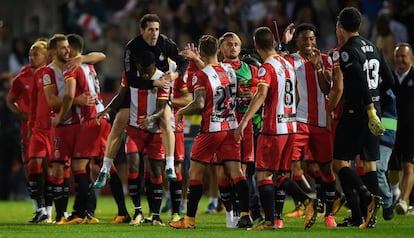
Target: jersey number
pixel 371 68
pixel 289 96
pixel 225 95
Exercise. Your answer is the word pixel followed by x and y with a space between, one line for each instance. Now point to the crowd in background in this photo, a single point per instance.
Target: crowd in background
pixel 108 25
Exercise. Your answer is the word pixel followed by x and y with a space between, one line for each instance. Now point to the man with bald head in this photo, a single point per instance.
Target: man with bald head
pixel 404 146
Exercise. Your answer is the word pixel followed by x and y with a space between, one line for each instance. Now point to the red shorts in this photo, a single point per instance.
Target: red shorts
pixel 145 142
pixel 179 147
pixel 274 152
pixel 333 130
pixel 306 153
pixel 247 142
pixel 77 141
pixel 40 144
pixel 222 144
pixel 24 130
pixel 87 142
pixel 318 139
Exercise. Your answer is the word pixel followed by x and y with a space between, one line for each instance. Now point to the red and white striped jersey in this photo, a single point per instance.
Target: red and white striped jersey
pixel 279 108
pixel 85 75
pixel 312 105
pixel 220 84
pixel 144 103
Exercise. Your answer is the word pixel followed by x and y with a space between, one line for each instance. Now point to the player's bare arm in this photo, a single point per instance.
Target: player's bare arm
pixel 288 33
pixel 161 104
pixel 182 101
pixel 195 106
pixel 191 53
pixel 115 102
pixel 335 94
pixel 324 76
pixel 91 58
pixel 11 103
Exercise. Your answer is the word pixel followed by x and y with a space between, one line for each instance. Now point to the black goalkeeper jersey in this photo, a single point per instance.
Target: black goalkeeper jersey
pixel 364 69
pixel 165 48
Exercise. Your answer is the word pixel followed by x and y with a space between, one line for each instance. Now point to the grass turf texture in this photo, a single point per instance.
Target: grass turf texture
pixel 15 215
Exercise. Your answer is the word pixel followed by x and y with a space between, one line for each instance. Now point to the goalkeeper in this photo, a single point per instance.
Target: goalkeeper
pixel 363 68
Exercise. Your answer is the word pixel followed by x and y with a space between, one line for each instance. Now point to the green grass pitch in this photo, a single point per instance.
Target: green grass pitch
pixel 14 217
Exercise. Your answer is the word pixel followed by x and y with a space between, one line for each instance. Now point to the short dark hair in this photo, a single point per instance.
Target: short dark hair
pixel 350 19
pixel 143 23
pixel 52 43
pixel 146 58
pixel 76 42
pixel 263 38
pixel 208 45
pixel 304 27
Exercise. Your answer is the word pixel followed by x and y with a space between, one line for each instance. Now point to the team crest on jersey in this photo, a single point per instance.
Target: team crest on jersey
pixel 335 55
pixel 262 72
pixel 345 56
pixel 46 79
pixel 162 57
pixel 410 83
pixel 194 80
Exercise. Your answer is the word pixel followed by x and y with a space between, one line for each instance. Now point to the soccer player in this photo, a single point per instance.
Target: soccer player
pixel 313 73
pixel 214 96
pixel 146 108
pixel 53 84
pixel 404 148
pixel 21 100
pixel 162 48
pixel 76 130
pixel 276 92
pixel 362 66
pixel 230 47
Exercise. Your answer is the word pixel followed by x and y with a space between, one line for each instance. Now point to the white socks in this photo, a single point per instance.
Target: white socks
pixel 106 165
pixel 169 162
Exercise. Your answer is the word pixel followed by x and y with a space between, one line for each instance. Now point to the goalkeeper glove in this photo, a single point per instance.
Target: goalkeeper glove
pixel 374 123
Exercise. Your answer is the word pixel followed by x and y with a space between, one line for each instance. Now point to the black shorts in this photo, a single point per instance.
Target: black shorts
pixel 404 146
pixel 394 163
pixel 401 157
pixel 353 137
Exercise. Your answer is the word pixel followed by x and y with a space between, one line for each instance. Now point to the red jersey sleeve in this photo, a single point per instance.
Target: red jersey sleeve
pixel 327 62
pixel 264 78
pixel 163 93
pixel 199 80
pixel 48 78
pixel 33 97
pixel 255 79
pixel 192 69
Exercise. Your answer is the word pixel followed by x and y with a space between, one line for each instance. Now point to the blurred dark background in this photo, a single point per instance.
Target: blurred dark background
pixel 108 24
